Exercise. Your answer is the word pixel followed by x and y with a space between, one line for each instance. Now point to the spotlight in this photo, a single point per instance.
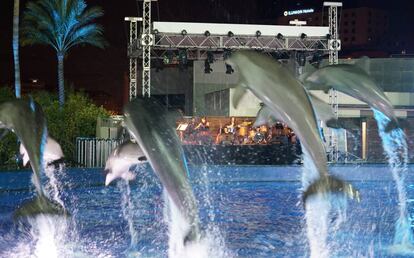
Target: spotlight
pixel 229 69
pixel 155 31
pixel 279 36
pixel 301 58
pixel 230 34
pixel 316 59
pixel 182 59
pixel 207 68
pixel 158 65
pixel 226 54
pixel 328 36
pixel 183 32
pixel 210 57
pixel 207 33
pixel 258 33
pixel 168 57
pixel 303 36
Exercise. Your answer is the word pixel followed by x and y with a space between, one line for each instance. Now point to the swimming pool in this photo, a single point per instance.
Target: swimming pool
pixel 253 211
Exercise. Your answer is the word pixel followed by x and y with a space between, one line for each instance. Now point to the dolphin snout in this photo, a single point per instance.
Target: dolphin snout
pixel 109 176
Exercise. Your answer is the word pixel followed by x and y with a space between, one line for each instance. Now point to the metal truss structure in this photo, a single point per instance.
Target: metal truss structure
pixel 334 47
pixel 133 35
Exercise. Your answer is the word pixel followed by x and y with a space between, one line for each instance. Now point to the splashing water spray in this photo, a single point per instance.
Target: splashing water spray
pixel 395 147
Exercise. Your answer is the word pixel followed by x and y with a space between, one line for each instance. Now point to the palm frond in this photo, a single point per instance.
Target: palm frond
pixel 61 24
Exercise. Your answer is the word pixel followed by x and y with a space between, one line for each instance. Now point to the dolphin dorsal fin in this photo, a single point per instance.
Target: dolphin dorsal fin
pixel 239 92
pixel 364 63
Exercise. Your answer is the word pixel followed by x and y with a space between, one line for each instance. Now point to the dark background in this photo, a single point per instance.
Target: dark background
pixel 105 71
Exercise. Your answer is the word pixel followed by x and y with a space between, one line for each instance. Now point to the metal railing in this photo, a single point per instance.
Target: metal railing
pixel 93 152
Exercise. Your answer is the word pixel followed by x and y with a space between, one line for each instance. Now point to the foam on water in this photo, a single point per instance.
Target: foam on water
pixel 395 147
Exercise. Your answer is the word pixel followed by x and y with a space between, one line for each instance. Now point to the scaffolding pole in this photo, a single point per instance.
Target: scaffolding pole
pixel 133 36
pixel 334 46
pixel 147 40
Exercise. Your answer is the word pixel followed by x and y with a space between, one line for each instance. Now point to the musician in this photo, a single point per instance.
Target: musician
pixel 231 127
pixel 259 137
pixel 203 132
pixel 204 125
pixel 189 133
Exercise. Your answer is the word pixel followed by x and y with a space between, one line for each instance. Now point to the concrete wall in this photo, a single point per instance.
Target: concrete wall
pixel 205 83
pixel 171 80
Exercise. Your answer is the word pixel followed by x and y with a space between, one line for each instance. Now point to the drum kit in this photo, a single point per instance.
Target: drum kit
pixel 244 133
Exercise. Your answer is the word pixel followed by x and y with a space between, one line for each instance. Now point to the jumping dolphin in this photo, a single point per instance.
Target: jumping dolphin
pixel 52 152
pixel 287 99
pixel 26 120
pixel 148 123
pixel 121 159
pixel 355 82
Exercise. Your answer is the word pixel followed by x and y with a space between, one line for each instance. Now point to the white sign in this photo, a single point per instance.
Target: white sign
pixel 296 12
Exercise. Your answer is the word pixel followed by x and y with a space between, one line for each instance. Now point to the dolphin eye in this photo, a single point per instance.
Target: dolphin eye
pixel 143 158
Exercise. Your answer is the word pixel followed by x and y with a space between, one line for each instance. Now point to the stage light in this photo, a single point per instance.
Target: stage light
pixel 316 59
pixel 158 64
pixel 303 36
pixel 301 58
pixel 230 34
pixel 279 36
pixel 210 57
pixel 207 68
pixel 183 32
pixel 226 54
pixel 182 59
pixel 207 33
pixel 155 31
pixel 258 33
pixel 328 36
pixel 229 69
pixel 168 57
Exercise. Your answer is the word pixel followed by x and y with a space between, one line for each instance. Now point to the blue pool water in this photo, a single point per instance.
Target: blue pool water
pixel 251 212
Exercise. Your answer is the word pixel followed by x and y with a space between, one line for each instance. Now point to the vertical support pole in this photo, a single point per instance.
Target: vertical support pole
pixel 132 47
pixel 334 47
pixel 147 40
pixel 364 140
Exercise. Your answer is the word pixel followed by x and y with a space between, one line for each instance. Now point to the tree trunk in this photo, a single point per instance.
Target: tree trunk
pixel 16 14
pixel 61 80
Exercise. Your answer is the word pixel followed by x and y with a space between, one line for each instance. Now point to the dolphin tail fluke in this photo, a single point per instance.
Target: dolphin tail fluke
pixel 393 124
pixel 330 184
pixel 39 205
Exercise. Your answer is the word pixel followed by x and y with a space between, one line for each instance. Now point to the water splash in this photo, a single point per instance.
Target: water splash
pixel 53 188
pixel 316 212
pixel 208 246
pixel 395 147
pixel 128 209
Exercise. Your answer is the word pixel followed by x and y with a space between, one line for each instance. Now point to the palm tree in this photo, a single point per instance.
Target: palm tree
pixel 61 24
pixel 16 17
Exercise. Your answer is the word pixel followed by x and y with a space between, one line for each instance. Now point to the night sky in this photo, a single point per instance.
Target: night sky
pixel 104 70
